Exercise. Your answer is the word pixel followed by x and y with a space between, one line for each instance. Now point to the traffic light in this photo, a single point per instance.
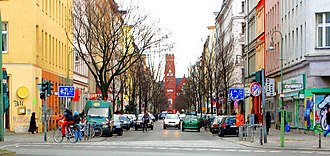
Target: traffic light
pixel 49 88
pixel 42 88
pixel 257 76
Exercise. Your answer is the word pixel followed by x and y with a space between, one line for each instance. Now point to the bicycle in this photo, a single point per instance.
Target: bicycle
pixel 91 130
pixel 69 134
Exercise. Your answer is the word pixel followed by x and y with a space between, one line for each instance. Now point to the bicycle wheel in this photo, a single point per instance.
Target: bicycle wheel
pixel 57 136
pixel 89 133
pixel 71 135
pixel 98 131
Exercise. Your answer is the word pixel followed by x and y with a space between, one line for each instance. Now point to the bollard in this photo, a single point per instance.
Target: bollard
pixel 260 135
pixel 320 138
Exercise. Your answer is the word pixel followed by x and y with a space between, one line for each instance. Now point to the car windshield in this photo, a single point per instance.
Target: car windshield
pixel 140 116
pixel 98 112
pixel 231 120
pixel 172 116
pixel 123 117
pixel 191 118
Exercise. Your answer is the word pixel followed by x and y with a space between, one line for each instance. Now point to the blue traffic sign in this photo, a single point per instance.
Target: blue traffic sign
pixel 236 93
pixel 65 91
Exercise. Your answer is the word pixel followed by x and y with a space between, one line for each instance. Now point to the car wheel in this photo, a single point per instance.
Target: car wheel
pixel 178 127
pixel 121 132
pixel 136 128
pixel 152 127
pixel 127 128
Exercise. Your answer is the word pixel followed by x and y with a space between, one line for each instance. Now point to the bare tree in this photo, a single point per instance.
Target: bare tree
pixel 224 67
pixel 110 41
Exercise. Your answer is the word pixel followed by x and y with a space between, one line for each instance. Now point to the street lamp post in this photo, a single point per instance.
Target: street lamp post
pixel 281 94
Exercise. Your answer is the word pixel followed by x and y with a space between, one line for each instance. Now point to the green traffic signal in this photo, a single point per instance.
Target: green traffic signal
pixel 257 76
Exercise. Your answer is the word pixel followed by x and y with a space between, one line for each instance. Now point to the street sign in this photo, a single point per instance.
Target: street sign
pixel 270 87
pixel 255 89
pixel 293 86
pixel 236 93
pixel 65 91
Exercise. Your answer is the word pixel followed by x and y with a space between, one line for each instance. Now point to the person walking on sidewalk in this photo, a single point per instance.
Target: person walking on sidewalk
pixel 268 119
pixel 328 122
pixel 33 126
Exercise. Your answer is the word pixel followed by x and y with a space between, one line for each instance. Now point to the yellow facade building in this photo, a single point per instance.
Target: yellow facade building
pixel 36 48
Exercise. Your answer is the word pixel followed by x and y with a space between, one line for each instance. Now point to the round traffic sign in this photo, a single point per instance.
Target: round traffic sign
pixel 255 89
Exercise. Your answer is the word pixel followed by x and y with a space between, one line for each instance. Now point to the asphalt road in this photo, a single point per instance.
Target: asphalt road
pixel 157 142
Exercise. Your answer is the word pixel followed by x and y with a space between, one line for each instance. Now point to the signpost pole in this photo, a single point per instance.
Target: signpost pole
pixel 264 104
pixel 45 117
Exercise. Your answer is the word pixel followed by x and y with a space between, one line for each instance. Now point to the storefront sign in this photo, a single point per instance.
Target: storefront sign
pixel 292 84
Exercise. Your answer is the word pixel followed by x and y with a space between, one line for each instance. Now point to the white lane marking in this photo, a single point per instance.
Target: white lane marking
pixel 245 150
pixel 149 147
pixel 259 151
pixel 188 149
pixel 275 151
pixel 305 152
pixel 325 153
pixel 136 147
pixel 230 150
pixel 201 149
pixel 216 149
pixel 161 148
pixel 174 148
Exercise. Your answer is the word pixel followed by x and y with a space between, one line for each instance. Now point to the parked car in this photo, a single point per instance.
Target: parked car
pixel 117 128
pixel 215 124
pixel 139 124
pixel 228 126
pixel 191 122
pixel 125 122
pixel 163 114
pixel 171 120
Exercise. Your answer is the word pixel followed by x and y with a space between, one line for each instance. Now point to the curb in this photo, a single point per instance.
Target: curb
pixel 7 153
pixel 276 148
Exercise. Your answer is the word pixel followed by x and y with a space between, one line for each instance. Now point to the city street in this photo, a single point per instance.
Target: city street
pixel 155 142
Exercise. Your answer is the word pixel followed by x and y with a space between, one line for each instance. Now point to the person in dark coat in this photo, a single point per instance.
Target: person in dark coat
pixel 268 119
pixel 33 126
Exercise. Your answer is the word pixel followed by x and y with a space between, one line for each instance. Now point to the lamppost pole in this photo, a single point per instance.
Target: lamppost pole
pixel 281 94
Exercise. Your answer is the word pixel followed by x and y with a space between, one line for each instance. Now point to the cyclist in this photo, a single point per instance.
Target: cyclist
pixel 68 120
pixel 77 120
pixel 145 120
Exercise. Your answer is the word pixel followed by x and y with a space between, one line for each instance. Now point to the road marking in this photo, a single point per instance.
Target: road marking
pixel 245 150
pixel 305 152
pixel 216 149
pixel 149 147
pixel 188 149
pixel 201 149
pixel 325 153
pixel 259 151
pixel 161 148
pixel 230 150
pixel 274 151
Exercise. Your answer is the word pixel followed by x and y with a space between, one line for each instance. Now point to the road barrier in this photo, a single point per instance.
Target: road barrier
pixel 251 133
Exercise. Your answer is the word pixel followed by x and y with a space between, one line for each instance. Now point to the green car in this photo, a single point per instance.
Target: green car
pixel 191 122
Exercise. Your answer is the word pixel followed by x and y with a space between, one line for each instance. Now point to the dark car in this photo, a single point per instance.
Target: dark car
pixel 139 124
pixel 125 122
pixel 228 126
pixel 214 127
pixel 117 128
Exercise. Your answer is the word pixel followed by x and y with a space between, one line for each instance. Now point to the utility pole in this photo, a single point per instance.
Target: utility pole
pixel 2 131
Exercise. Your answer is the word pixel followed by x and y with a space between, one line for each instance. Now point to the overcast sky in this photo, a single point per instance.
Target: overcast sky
pixel 188 21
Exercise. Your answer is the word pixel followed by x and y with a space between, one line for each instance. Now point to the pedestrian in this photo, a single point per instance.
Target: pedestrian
pixel 268 119
pixel 77 120
pixel 328 122
pixel 33 126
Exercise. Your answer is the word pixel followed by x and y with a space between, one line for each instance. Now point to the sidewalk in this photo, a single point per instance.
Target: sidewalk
pixel 292 141
pixel 11 138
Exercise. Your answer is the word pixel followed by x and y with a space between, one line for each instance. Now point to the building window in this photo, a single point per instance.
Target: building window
pixel 323 30
pixel 4 37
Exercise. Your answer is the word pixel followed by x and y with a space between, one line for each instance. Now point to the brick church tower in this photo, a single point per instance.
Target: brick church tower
pixel 170 82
